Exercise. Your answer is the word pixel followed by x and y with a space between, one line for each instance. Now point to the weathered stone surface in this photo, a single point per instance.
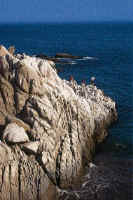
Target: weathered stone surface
pixel 3 51
pixel 82 121
pixel 19 122
pixel 5 153
pixel 66 120
pixel 31 147
pixel 25 179
pixel 11 50
pixel 7 97
pixel 15 134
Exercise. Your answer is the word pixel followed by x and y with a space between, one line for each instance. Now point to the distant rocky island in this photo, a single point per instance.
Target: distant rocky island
pixel 64 58
pixel 49 128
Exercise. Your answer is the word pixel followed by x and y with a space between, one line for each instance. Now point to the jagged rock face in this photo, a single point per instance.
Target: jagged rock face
pixel 4 51
pixel 64 120
pixel 31 147
pixel 60 120
pixel 11 50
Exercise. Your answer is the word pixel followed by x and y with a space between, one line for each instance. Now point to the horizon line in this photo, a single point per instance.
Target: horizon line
pixel 67 22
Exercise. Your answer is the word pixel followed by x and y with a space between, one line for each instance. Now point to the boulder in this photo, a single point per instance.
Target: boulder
pixel 15 134
pixel 31 147
pixel 19 122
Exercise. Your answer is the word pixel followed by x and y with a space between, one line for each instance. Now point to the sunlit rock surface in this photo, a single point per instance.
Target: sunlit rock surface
pixel 14 134
pixel 65 120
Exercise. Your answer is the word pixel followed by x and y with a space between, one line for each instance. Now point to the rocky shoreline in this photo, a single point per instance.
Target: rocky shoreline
pixel 49 128
pixel 107 178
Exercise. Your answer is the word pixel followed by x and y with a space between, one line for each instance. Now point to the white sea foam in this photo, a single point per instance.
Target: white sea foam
pixel 89 58
pixel 73 63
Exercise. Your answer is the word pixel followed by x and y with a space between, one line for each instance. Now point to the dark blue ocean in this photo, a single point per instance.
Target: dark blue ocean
pixel 110 43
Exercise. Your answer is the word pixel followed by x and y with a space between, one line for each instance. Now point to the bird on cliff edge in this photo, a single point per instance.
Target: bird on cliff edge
pixel 92 80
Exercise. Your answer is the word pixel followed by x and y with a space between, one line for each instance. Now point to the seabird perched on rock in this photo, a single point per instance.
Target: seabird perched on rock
pixel 83 82
pixel 71 78
pixel 92 80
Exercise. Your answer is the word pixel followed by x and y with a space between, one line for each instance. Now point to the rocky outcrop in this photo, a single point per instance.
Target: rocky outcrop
pixel 11 50
pixel 67 55
pixel 63 121
pixel 59 56
pixel 4 51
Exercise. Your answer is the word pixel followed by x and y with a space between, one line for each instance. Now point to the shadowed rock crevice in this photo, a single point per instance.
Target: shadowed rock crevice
pixel 51 127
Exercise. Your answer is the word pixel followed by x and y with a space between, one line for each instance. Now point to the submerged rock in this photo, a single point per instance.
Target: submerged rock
pixel 43 56
pixel 64 119
pixel 61 58
pixel 67 55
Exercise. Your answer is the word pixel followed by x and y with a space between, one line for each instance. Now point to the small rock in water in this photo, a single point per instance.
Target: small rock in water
pixel 121 146
pixel 91 165
pixel 66 55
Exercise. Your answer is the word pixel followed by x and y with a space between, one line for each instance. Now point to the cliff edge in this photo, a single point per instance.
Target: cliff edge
pixel 49 127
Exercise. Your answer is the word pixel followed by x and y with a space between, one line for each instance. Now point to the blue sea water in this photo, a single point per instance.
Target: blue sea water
pixel 110 43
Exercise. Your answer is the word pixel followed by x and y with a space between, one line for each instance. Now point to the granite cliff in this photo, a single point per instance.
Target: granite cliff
pixel 49 127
